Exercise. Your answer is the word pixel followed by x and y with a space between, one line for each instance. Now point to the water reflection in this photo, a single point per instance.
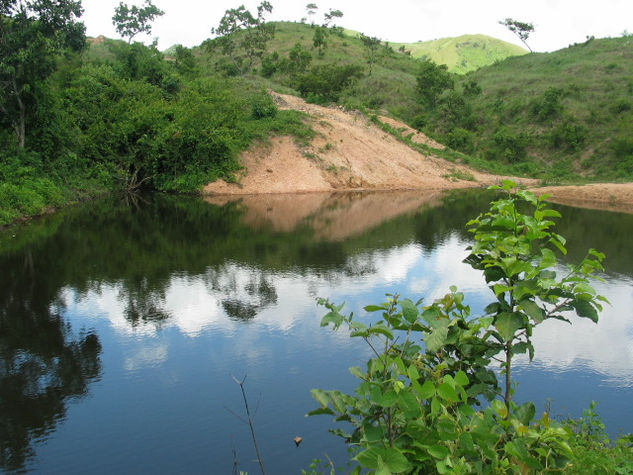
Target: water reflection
pixel 43 363
pixel 176 288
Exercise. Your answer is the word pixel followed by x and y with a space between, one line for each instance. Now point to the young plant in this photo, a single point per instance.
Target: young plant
pixel 417 407
pixel 517 254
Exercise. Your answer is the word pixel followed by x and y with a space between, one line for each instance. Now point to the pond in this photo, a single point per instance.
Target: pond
pixel 123 321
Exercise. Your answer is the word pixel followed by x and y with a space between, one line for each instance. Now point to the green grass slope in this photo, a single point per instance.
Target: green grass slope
pixel 464 53
pixel 461 54
pixel 570 110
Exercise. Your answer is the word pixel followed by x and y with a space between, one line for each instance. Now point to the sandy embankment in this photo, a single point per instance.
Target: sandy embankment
pixel 349 153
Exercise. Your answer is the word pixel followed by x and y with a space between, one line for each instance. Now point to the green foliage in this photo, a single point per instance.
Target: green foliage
pixel 131 21
pixel 519 28
pixel 508 146
pixel 32 35
pixel 568 135
pixel 432 81
pixel 416 408
pixel 238 27
pixel 549 106
pixel 325 83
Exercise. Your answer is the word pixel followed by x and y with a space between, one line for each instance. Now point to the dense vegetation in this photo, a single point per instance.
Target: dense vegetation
pixel 112 115
pixel 90 117
pixel 418 406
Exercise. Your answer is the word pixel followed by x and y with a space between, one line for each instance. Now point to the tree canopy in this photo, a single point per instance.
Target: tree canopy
pixel 130 21
pixel 32 34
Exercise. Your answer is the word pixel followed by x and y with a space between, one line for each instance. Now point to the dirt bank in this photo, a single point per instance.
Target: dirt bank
pixel 606 196
pixel 348 153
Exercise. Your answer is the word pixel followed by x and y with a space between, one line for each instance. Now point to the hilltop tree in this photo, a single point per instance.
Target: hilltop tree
pixel 519 28
pixel 371 44
pixel 130 21
pixel 330 16
pixel 311 8
pixel 32 34
pixel 257 33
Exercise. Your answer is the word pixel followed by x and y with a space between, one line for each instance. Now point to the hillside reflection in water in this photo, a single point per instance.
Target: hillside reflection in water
pixel 180 294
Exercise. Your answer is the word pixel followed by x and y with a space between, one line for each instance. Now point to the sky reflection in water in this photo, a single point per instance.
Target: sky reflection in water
pixel 233 293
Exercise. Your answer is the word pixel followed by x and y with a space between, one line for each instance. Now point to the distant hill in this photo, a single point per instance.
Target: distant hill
pixel 464 53
pixel 461 54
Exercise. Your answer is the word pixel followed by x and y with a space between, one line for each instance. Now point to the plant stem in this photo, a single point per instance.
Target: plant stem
pixel 250 423
pixel 507 397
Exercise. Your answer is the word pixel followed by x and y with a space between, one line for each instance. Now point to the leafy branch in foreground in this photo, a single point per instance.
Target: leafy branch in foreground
pixel 418 406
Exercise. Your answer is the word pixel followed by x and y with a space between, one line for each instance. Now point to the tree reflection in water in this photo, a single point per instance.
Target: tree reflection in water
pixel 42 362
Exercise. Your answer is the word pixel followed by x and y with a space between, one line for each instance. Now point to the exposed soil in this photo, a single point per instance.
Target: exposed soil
pixel 350 153
pixel 606 196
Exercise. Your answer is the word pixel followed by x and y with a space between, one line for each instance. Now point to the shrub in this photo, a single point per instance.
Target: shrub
pixel 325 83
pixel 417 406
pixel 460 139
pixel 508 146
pixel 568 135
pixel 549 105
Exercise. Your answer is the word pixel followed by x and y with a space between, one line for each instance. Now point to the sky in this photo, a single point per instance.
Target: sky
pixel 558 23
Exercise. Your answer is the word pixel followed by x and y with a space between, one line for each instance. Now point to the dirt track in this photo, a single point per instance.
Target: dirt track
pixel 351 153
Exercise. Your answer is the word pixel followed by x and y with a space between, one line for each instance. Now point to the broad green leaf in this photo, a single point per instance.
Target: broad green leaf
pixel 332 317
pixel 507 325
pixel 461 378
pixel 438 451
pixel 525 413
pixel 356 371
pixel 428 390
pixel 321 396
pixel 532 310
pixel 374 308
pixel 392 458
pixel 409 310
pixel 379 329
pixel 447 392
pixel 585 309
pixel 436 339
pixel 413 373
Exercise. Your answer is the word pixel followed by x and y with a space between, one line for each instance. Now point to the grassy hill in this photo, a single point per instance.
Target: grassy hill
pixel 461 54
pixel 567 112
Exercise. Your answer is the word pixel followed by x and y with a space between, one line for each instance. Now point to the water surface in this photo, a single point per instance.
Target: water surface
pixel 123 320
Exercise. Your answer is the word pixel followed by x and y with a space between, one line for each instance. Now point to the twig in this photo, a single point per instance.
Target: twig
pixel 250 422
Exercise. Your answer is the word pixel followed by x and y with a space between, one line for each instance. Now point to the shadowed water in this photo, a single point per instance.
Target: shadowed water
pixel 123 320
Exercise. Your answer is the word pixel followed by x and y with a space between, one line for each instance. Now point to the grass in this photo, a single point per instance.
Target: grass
pixel 574 107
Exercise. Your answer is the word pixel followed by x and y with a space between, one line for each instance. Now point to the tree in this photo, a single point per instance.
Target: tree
pixel 432 81
pixel 371 44
pixel 319 40
pixel 311 8
pixel 130 21
pixel 330 16
pixel 257 33
pixel 32 34
pixel 417 407
pixel 519 28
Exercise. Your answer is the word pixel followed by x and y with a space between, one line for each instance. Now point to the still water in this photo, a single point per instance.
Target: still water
pixel 122 322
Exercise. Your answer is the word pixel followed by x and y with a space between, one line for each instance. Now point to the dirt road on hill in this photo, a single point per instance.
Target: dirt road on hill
pixel 350 153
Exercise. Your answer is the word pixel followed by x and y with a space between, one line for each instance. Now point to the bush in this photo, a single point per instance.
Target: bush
pixel 568 135
pixel 508 146
pixel 460 139
pixel 325 83
pixel 549 106
pixel 417 407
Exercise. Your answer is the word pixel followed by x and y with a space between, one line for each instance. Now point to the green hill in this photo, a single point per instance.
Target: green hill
pixel 464 53
pixel 567 112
